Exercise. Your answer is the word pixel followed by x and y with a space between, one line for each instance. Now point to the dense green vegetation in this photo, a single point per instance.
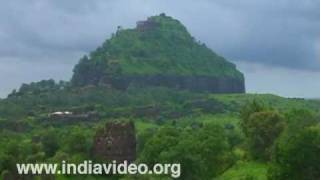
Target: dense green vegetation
pixel 193 148
pixel 261 127
pixel 244 136
pixel 160 46
pixel 245 170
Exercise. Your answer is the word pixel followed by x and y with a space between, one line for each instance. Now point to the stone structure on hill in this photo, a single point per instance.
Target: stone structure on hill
pixel 146 25
pixel 116 141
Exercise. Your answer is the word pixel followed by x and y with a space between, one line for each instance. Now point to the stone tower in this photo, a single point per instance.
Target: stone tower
pixel 116 141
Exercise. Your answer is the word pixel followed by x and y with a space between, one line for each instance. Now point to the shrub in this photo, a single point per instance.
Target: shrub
pixel 262 129
pixel 203 153
pixel 296 156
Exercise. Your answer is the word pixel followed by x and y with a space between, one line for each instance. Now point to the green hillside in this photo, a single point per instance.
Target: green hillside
pixel 159 45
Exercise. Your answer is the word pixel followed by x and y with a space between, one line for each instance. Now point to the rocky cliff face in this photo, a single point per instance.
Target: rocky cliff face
pixel 192 83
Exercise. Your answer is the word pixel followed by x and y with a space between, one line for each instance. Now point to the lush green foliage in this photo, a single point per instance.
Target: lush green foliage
pixel 35 88
pixel 202 131
pixel 203 153
pixel 246 171
pixel 164 46
pixel 297 150
pixel 297 157
pixel 261 127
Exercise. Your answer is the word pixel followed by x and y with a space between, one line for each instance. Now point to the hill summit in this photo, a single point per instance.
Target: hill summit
pixel 157 52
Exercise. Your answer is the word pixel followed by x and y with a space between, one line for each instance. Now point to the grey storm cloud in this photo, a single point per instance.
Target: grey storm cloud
pixel 284 33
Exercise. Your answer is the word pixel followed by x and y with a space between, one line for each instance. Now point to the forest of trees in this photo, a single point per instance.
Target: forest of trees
pixel 208 134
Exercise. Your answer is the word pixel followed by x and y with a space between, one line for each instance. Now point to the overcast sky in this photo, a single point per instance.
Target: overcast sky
pixel 275 43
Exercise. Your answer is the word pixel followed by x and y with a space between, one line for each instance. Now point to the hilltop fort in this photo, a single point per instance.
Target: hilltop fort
pixel 158 52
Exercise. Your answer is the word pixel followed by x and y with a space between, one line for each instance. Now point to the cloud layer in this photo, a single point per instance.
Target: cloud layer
pixel 283 34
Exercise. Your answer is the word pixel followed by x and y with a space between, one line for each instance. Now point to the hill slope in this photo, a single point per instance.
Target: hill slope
pixel 158 52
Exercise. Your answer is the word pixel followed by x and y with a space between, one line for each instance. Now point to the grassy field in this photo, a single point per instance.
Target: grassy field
pixel 245 171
